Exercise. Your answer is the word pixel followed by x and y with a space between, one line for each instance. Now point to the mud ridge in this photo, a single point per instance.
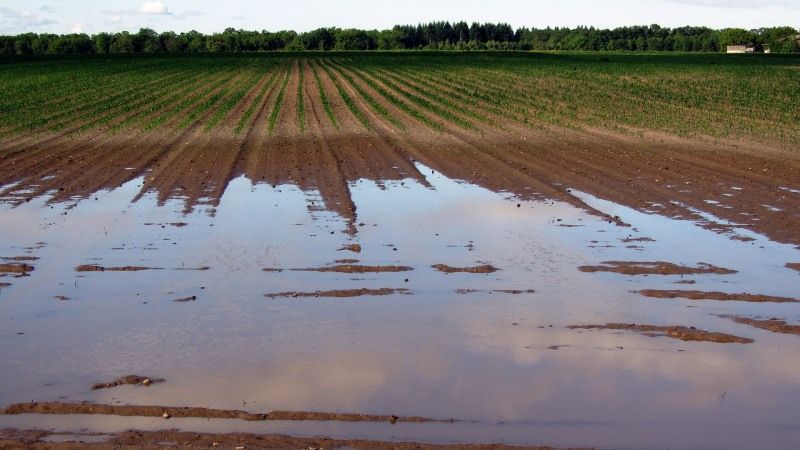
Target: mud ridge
pixel 16 268
pixel 674 332
pixel 340 293
pixel 502 291
pixel 133 439
pixel 715 295
pixel 97 268
pixel 654 268
pixel 203 413
pixel 486 268
pixel 128 380
pixel 774 325
pixel 352 268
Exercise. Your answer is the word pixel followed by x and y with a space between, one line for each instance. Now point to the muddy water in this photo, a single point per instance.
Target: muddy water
pixel 463 346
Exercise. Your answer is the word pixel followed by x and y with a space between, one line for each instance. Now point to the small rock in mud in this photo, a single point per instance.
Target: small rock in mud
pixel 128 380
pixel 486 268
pixel 674 332
pixel 774 325
pixel 714 295
pixel 355 248
pixel 186 299
pixel 654 268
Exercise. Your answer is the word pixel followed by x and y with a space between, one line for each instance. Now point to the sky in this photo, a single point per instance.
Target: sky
pixel 92 16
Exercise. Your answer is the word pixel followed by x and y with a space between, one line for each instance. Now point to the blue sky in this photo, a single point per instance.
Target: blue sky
pixel 90 16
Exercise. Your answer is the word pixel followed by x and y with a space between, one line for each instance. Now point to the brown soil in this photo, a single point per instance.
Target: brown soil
pixel 203 413
pixel 721 296
pixel 486 268
pixel 347 261
pixel 17 268
pixel 654 268
pixel 539 161
pixel 774 325
pixel 355 248
pixel 155 440
pixel 674 332
pixel 351 268
pixel 502 291
pixel 128 410
pixel 96 268
pixel 793 266
pixel 340 293
pixel 128 380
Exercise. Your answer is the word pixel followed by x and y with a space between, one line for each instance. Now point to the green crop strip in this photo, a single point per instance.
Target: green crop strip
pixel 715 96
pixel 348 101
pixel 391 98
pixel 374 104
pixel 301 107
pixel 256 101
pixel 276 109
pixel 188 103
pixel 231 102
pixel 326 104
pixel 445 101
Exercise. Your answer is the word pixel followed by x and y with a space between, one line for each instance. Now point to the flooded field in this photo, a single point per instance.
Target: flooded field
pixel 400 251
pixel 487 317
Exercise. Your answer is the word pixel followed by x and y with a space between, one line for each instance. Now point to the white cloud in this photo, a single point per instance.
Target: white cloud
pixel 155 9
pixel 735 3
pixel 77 28
pixel 13 21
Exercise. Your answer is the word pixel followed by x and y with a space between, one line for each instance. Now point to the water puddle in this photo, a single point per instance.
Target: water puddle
pixel 475 327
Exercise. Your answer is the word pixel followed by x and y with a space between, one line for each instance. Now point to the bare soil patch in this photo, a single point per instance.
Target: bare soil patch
pixel 774 325
pixel 486 268
pixel 155 440
pixel 793 266
pixel 674 332
pixel 655 268
pixel 16 268
pixel 715 295
pixel 204 413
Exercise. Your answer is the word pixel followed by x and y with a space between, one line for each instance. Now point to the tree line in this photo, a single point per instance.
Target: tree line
pixel 430 36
